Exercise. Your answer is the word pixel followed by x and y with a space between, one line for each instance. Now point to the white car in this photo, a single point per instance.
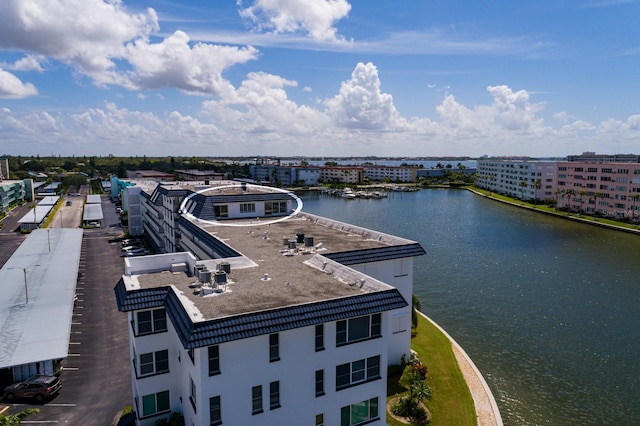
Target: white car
pixel 134 251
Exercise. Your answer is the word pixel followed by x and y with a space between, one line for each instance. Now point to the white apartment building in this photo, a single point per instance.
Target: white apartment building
pixel 284 318
pixel 524 179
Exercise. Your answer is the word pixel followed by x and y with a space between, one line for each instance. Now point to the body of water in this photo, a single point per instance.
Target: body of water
pixel 547 308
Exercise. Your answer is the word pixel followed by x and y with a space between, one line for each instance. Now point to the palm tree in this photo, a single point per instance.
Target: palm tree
pixel 559 193
pixel 569 193
pixel 634 198
pixel 537 185
pixel 582 193
pixel 523 185
pixel 595 209
pixel 416 306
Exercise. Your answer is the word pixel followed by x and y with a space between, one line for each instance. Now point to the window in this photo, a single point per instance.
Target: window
pixel 363 370
pixel 247 208
pixel 357 329
pixel 221 210
pixel 154 362
pixel 319 382
pixel 192 393
pixel 274 395
pixel 319 337
pixel 155 403
pixel 274 348
pixel 256 400
pixel 275 207
pixel 320 419
pixel 192 355
pixel 360 413
pixel 215 411
pixel 214 360
pixel 154 321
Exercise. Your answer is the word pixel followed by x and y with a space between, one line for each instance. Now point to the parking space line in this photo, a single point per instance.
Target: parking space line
pixel 73 354
pixel 77 315
pixel 75 343
pixel 70 369
pixel 76 323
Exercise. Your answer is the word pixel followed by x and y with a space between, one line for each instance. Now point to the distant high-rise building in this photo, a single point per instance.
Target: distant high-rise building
pixel 4 168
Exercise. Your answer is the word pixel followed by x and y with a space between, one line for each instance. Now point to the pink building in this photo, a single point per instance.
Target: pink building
pixel 610 189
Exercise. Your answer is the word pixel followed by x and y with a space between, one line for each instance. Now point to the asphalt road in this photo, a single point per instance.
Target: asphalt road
pixel 96 375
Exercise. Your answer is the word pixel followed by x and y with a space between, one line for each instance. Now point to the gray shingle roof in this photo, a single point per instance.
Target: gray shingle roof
pixel 227 329
pixel 376 254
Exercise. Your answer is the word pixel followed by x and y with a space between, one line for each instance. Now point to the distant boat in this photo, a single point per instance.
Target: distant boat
pixel 348 194
pixel 378 194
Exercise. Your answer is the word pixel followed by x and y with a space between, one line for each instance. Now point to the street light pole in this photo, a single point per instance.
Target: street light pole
pixel 26 288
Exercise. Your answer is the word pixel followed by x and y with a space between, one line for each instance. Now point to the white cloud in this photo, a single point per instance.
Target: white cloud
pixel 315 17
pixel 101 39
pixel 360 103
pixel 258 118
pixel 28 63
pixel 86 33
pixel 260 105
pixel 12 88
pixel 174 63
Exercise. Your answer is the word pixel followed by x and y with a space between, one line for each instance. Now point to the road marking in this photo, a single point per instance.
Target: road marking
pixel 73 354
pixel 76 332
pixel 77 315
pixel 75 343
pixel 4 409
pixel 70 368
pixel 76 323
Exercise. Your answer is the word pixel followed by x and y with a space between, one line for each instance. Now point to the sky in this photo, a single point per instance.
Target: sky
pixel 331 78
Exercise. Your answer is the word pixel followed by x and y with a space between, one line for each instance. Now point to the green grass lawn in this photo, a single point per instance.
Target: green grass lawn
pixel 451 402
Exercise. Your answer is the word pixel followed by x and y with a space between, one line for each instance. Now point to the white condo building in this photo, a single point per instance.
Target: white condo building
pixel 524 179
pixel 263 321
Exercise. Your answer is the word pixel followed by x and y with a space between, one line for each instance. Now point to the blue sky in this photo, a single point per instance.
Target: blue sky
pixel 319 77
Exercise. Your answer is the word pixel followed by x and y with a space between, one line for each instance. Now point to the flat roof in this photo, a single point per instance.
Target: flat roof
pixel 49 200
pixel 39 330
pixel 268 275
pixel 94 199
pixel 92 212
pixel 37 215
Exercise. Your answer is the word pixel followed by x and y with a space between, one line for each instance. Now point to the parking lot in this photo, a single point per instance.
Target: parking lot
pixel 96 374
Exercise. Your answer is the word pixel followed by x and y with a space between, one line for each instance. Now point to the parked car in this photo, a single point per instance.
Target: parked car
pixel 36 387
pixel 68 203
pixel 134 251
pixel 130 242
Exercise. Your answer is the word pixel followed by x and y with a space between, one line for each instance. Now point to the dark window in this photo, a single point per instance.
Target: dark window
pixel 360 371
pixel 274 395
pixel 214 360
pixel 192 355
pixel 221 210
pixel 154 362
pixel 319 382
pixel 152 321
pixel 319 419
pixel 360 413
pixel 192 394
pixel 319 337
pixel 274 348
pixel 155 403
pixel 215 411
pixel 256 400
pixel 357 329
